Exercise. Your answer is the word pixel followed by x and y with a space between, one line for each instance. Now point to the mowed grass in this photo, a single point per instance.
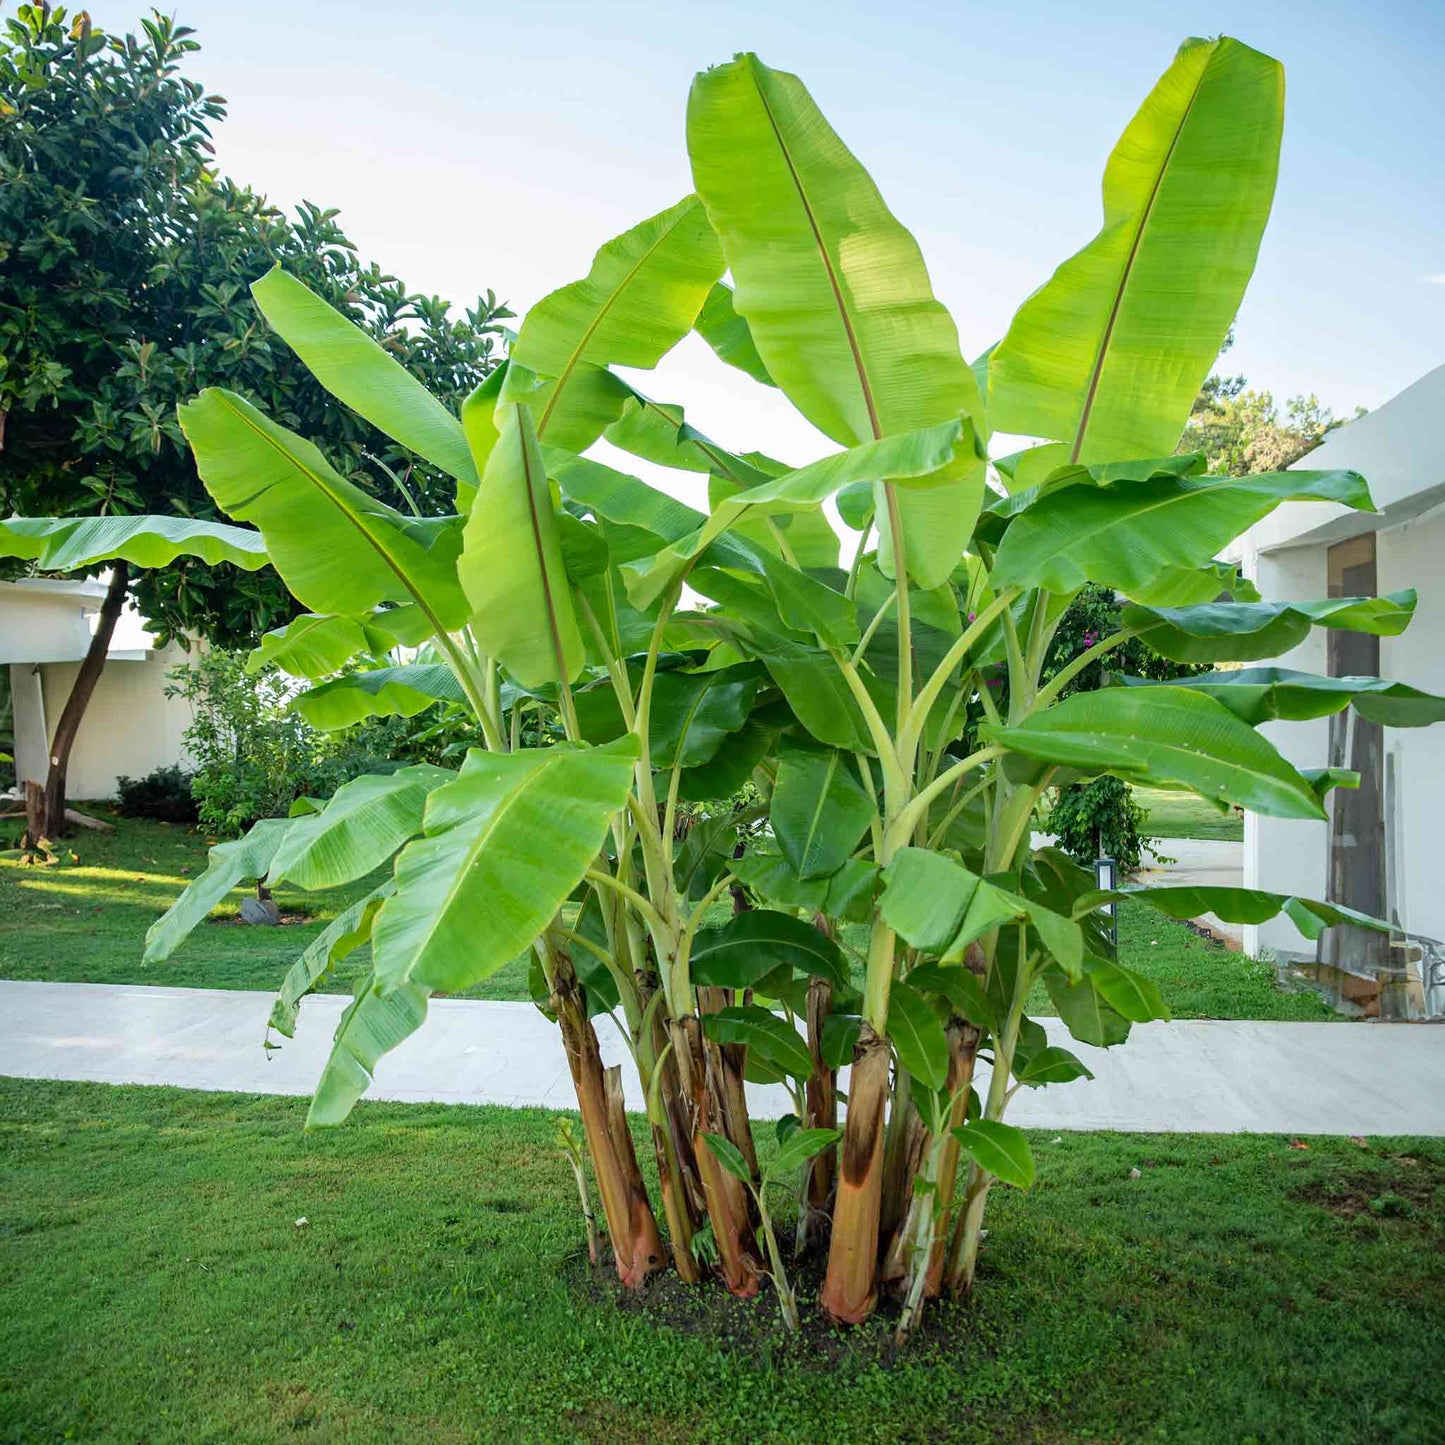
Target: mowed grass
pixel 1172 814
pixel 87 924
pixel 1199 978
pixel 155 1284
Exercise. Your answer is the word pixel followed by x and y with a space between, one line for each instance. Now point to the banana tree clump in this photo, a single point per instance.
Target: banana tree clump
pixel 882 695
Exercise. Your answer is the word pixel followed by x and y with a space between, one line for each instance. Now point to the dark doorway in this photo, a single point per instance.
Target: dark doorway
pixel 1357 815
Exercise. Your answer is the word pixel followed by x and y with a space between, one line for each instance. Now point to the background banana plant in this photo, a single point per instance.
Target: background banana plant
pixel 891 913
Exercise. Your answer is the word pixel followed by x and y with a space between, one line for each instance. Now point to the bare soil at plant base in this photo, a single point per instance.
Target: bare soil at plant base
pixel 752 1329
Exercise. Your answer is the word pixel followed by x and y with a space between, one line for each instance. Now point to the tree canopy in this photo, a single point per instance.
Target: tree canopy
pixel 125 262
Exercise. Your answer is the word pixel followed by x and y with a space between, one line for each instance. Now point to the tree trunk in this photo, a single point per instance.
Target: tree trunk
pixel 822 1105
pixel 850 1290
pixel 739 1260
pixel 962 1053
pixel 636 1243
pixel 52 819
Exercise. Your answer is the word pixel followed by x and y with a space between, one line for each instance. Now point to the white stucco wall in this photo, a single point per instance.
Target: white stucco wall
pixel 130 728
pixel 1400 449
pixel 46 621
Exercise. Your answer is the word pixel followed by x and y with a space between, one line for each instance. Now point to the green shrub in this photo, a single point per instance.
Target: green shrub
pixel 1100 819
pixel 254 756
pixel 164 794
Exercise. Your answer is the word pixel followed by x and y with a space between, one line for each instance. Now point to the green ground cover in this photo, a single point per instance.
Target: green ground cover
pixel 1172 814
pixel 155 1284
pixel 87 923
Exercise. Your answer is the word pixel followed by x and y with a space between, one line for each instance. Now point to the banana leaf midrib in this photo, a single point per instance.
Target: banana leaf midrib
pixel 1101 355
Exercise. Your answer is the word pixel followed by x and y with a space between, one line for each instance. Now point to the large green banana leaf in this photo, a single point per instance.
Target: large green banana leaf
pixel 751 945
pixel 313 646
pixel 846 894
pixel 1164 735
pixel 347 932
pixel 639 300
pixel 1125 534
pixel 719 324
pixel 1261 694
pixel 1108 355
pixel 68 544
pixel 379 692
pixel 505 844
pixel 915 459
pixel 511 563
pixel 363 824
pixel 227 865
pixel 336 548
pixel 832 287
pixel 620 497
pixel 1245 631
pixel 363 376
pixel 1239 905
pixel 939 906
pixel 373 1025
pixel 819 810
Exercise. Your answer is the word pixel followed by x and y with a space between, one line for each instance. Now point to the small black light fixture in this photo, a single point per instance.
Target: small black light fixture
pixel 1106 875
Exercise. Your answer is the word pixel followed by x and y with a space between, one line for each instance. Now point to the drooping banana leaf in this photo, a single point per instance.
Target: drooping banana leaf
pixel 1243 632
pixel 68 544
pixel 750 946
pixel 1126 533
pixel 337 549
pixel 227 865
pixel 364 823
pixel 347 932
pixel 379 692
pixel 1164 735
pixel 372 1026
pixel 511 563
pixel 764 1033
pixel 832 287
pixel 1240 905
pixel 313 646
pixel 940 906
pixel 1108 355
pixel 719 324
pixel 846 894
pixel 620 497
pixel 505 845
pixel 640 299
pixel 1261 694
pixel 362 375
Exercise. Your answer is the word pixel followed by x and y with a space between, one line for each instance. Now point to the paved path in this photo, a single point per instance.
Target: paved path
pixel 1187 1076
pixel 1205 863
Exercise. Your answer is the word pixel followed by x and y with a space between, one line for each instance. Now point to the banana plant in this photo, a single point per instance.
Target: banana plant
pixel 872 924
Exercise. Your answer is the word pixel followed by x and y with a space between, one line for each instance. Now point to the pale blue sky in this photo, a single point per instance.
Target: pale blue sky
pixel 497 145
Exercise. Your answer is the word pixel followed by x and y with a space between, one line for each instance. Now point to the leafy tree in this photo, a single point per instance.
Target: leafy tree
pixel 553 600
pixel 1242 431
pixel 124 263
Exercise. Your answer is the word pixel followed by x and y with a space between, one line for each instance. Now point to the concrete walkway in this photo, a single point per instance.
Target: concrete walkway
pixel 1187 1076
pixel 1201 863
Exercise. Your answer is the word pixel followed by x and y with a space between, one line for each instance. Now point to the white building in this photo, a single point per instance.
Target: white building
pixel 1384 850
pixel 130 727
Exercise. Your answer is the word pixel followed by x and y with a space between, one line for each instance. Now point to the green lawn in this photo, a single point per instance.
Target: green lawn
pixel 1169 814
pixel 155 1285
pixel 87 924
